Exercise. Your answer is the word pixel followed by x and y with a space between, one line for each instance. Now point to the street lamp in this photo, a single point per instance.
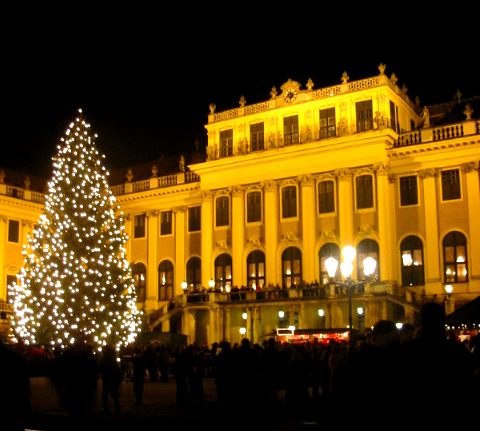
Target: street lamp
pixel 184 285
pixel 448 297
pixel 321 314
pixel 211 284
pixel 346 268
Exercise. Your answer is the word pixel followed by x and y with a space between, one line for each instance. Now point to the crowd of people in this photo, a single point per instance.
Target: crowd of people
pixel 381 369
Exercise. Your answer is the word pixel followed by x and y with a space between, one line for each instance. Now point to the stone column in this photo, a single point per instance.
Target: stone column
pixel 271 221
pixel 238 235
pixel 129 231
pixel 152 270
pixel 345 206
pixel 473 188
pixel 385 223
pixel 228 320
pixel 179 249
pixel 207 237
pixel 432 246
pixel 3 241
pixel 308 227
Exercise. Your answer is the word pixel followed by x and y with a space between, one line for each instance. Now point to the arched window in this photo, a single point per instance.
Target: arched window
pixel 256 269
pixel 455 268
pixel 139 273
pixel 165 280
pixel 328 250
pixel 367 248
pixel 411 251
pixel 194 273
pixel 223 271
pixel 291 267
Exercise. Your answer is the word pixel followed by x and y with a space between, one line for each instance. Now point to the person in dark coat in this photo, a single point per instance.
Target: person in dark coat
pixel 111 375
pixel 15 390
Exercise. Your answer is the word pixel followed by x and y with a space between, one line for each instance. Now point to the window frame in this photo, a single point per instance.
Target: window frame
pixel 411 273
pixel 189 223
pixel 286 283
pixel 455 263
pixel 167 288
pixel 260 211
pixel 254 258
pixel 223 283
pixel 282 207
pixel 416 191
pixel 193 282
pixel 226 143
pixel 292 134
pixel 329 127
pixel 370 208
pixel 364 124
pixel 259 137
pixel 220 211
pixel 144 218
pixel 170 223
pixel 9 233
pixel 455 199
pixel 334 198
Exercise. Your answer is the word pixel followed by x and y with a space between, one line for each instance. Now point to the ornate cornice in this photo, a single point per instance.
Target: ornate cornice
pixel 269 185
pixel 328 236
pixel 364 170
pixel 392 178
pixel 326 176
pixel 237 190
pixel 307 180
pixel 381 168
pixel 222 243
pixel 426 173
pixel 152 213
pixel 344 173
pixel 206 195
pixel 289 182
pixel 179 209
pixel 470 166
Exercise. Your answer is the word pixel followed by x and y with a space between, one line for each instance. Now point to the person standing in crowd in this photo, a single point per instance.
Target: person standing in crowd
pixel 139 368
pixel 111 375
pixel 15 390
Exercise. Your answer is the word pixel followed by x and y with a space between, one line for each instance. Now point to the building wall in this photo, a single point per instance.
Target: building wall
pixel 379 151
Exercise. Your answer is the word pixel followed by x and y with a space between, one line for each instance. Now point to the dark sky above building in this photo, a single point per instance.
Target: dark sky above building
pixel 145 76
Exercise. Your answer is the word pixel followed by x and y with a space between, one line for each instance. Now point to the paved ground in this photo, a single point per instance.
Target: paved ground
pixel 158 410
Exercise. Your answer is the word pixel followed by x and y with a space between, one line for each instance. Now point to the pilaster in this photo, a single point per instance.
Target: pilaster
pixel 473 196
pixel 207 237
pixel 179 249
pixel 152 273
pixel 345 206
pixel 238 235
pixel 432 256
pixel 308 226
pixel 271 230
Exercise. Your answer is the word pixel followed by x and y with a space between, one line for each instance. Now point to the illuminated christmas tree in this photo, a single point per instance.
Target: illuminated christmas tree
pixel 75 282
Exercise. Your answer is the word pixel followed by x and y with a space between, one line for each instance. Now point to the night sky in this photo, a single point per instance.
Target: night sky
pixel 145 77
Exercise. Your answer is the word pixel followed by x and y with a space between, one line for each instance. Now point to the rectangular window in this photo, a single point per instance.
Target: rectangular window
pixel 194 219
pixel 393 123
pixel 408 191
pixel 290 130
pixel 226 143
pixel 451 184
pixel 139 226
pixel 412 125
pixel 364 115
pixel 254 207
pixel 166 223
pixel 222 211
pixel 13 231
pixel 289 202
pixel 364 189
pixel 327 123
pixel 256 137
pixel 326 197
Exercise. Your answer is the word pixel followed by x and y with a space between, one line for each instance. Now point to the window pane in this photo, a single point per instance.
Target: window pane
pixel 449 254
pixel 13 230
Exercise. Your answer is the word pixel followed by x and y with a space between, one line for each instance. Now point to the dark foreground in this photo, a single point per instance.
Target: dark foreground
pixel 159 410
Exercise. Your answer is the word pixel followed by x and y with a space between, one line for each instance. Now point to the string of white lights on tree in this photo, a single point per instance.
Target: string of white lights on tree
pixel 76 283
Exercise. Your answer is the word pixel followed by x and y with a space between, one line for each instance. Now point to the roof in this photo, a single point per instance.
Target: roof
pixel 468 314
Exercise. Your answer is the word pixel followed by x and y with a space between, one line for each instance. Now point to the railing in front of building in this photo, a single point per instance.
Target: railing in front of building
pixel 322 93
pixel 308 292
pixel 435 134
pixel 306 135
pixel 119 189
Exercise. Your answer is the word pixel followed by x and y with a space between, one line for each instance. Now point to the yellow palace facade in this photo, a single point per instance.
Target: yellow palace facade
pixel 236 245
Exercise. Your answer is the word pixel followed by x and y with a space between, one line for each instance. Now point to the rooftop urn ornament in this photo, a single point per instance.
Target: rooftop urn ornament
pixel 404 89
pixel 129 175
pixel 345 77
pixel 27 182
pixel 212 108
pixel 468 111
pixel 242 101
pixel 2 176
pixel 273 92
pixel 458 96
pixel 310 84
pixel 381 68
pixel 154 171
pixel 393 79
